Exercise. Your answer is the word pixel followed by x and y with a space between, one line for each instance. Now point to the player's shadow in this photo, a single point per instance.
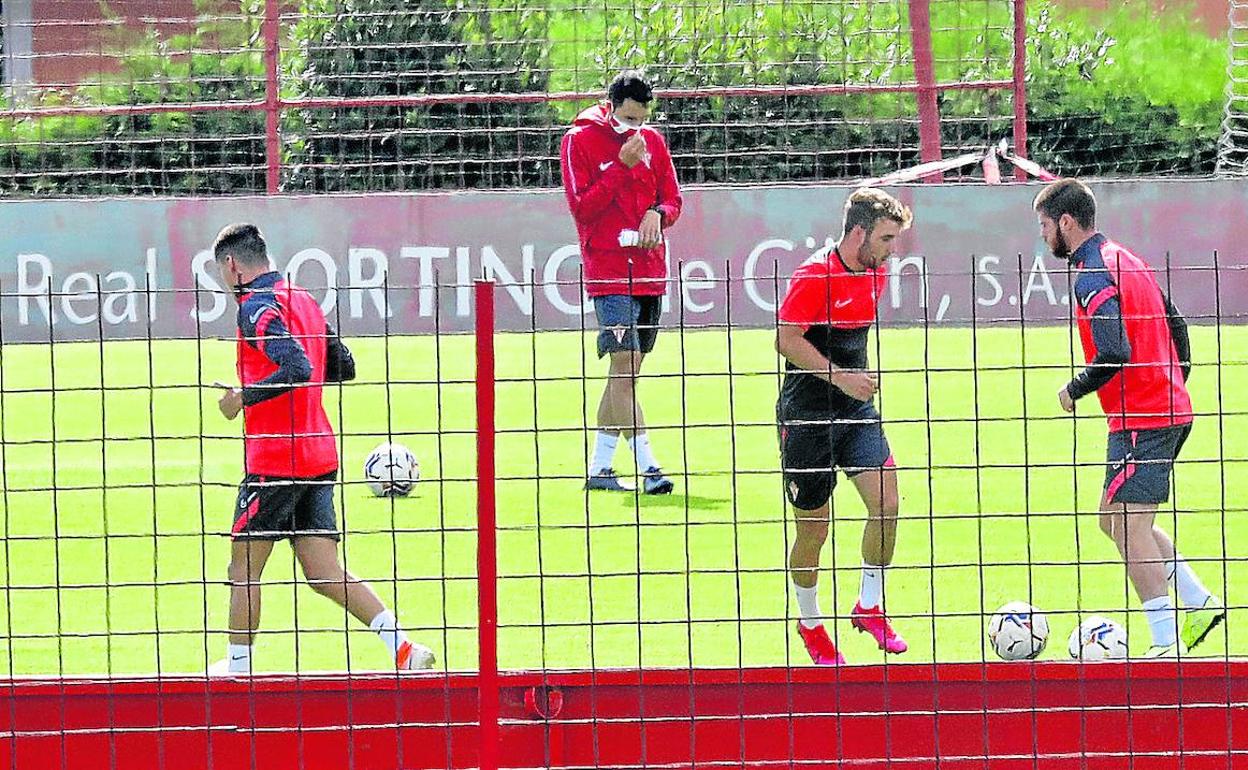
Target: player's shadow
pixel 680 502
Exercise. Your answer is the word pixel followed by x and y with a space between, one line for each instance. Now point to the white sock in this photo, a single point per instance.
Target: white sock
pixel 604 452
pixel 239 656
pixel 1191 592
pixel 808 604
pixel 871 589
pixel 1162 621
pixel 387 627
pixel 640 444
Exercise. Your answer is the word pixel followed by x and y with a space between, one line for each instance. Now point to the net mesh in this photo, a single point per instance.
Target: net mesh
pixel 1233 150
pixel 118 473
pixel 666 624
pixel 140 97
pixel 1096 67
pixel 218 97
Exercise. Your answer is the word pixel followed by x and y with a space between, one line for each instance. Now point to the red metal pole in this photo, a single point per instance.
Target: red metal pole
pixel 272 97
pixel 1020 85
pixel 487 560
pixel 925 75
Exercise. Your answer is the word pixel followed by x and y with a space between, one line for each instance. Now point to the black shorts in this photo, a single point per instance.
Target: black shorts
pixel 273 508
pixel 1140 463
pixel 810 453
pixel 627 323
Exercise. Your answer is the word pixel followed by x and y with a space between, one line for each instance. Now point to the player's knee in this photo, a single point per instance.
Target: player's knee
pixel 885 509
pixel 239 574
pixel 812 531
pixel 889 508
pixel 1113 526
pixel 1139 523
pixel 623 384
pixel 625 364
pixel 321 571
pixel 324 582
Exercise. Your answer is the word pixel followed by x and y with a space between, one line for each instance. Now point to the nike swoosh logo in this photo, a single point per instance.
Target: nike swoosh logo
pixel 256 315
pixel 240 657
pixel 840 303
pixel 605 166
pixel 1088 299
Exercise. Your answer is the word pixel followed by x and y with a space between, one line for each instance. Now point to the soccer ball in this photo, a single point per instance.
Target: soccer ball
pixel 1018 631
pixel 391 470
pixel 1098 638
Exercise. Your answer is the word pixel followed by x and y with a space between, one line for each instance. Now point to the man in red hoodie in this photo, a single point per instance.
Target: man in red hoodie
pixel 622 190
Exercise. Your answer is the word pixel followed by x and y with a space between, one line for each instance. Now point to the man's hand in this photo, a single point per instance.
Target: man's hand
pixel 856 384
pixel 633 151
pixel 231 402
pixel 651 230
pixel 1063 397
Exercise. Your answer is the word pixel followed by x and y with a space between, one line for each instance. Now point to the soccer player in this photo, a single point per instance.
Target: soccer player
pixel 827 419
pixel 1138 361
pixel 622 190
pixel 286 352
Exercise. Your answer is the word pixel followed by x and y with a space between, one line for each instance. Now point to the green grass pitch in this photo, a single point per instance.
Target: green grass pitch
pixel 122 569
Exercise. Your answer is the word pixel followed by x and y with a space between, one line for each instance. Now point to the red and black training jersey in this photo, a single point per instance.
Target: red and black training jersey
pixel 837 307
pixel 286 352
pixel 1131 337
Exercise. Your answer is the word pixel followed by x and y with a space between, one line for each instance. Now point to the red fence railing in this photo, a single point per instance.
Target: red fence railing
pixel 716 124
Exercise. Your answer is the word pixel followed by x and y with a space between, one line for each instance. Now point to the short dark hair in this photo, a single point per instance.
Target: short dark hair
pixel 629 84
pixel 867 206
pixel 244 242
pixel 1068 196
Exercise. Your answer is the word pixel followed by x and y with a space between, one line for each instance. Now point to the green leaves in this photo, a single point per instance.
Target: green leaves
pixel 1126 92
pixel 1130 92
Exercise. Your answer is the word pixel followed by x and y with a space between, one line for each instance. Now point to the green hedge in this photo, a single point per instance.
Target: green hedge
pixel 1129 93
pixel 379 48
pixel 203 153
pixel 1126 93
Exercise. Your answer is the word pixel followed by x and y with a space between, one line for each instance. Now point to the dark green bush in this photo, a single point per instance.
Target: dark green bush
pixel 1126 93
pixel 165 153
pixel 386 48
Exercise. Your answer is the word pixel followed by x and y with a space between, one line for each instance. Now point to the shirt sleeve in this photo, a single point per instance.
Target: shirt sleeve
pixel 670 202
pixel 587 200
pixel 1178 333
pixel 1093 287
pixel 262 327
pixel 339 363
pixel 1098 296
pixel 806 303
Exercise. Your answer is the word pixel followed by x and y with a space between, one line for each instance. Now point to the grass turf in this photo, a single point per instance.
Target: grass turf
pixel 122 569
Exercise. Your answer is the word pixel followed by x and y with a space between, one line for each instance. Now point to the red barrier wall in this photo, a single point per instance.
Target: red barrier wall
pixel 999 715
